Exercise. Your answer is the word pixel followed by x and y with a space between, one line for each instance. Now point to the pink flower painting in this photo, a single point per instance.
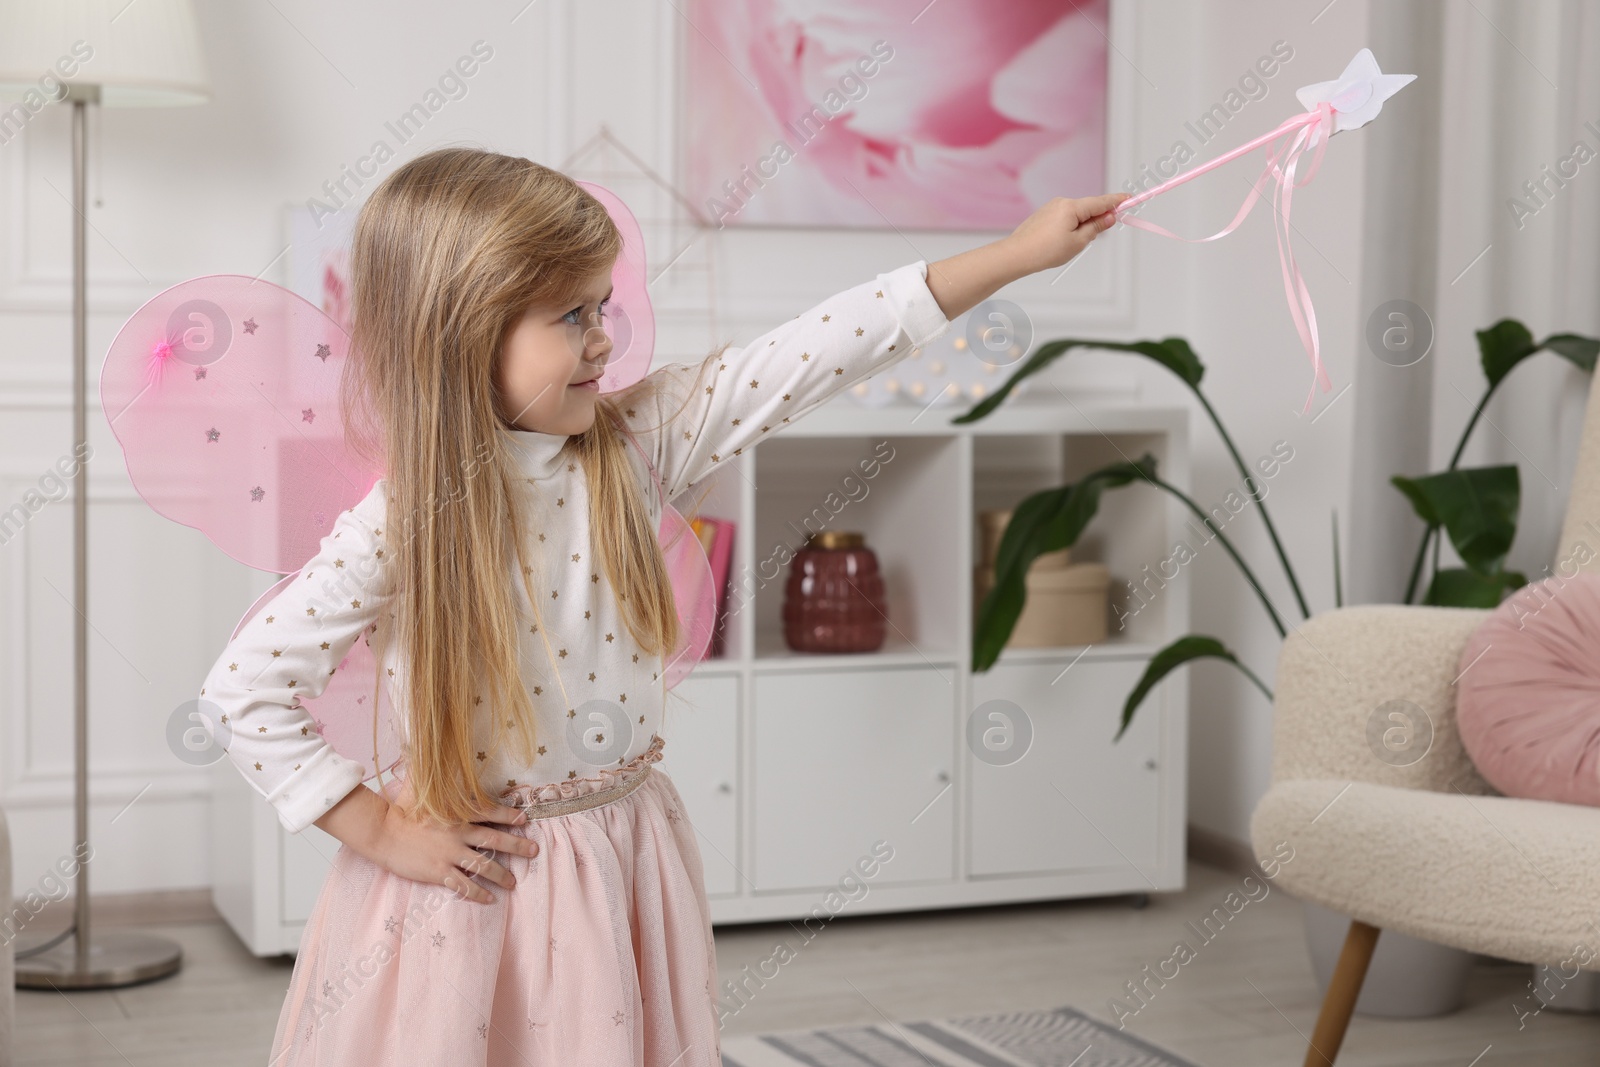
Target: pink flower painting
pixel 336 286
pixel 958 114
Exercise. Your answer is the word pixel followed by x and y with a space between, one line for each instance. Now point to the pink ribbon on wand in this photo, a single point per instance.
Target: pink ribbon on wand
pixel 1309 129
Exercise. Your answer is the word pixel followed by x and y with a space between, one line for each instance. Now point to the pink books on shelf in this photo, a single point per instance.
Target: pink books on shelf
pixel 716 537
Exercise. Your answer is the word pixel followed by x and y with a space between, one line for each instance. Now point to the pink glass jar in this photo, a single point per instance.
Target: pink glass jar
pixel 833 600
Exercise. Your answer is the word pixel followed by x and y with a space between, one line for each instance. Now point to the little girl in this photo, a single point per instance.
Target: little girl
pixel 507 574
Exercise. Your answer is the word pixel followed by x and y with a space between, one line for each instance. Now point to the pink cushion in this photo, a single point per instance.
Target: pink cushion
pixel 1528 697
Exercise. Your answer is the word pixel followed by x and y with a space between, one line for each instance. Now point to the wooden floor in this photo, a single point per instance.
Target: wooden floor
pixel 1244 1000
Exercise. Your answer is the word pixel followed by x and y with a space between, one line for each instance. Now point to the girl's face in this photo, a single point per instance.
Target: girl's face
pixel 549 369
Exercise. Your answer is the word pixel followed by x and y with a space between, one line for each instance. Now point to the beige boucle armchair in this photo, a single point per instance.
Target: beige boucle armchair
pixel 1423 846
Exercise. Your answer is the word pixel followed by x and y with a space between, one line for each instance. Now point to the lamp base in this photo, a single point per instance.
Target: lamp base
pixel 116 958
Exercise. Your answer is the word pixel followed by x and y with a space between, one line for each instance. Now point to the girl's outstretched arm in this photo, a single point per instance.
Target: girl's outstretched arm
pixel 692 417
pixel 1050 237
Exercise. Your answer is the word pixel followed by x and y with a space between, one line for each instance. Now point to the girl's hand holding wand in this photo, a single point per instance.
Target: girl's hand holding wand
pixel 1050 237
pixel 388 834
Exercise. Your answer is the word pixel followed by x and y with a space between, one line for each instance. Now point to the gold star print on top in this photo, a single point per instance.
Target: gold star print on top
pixel 584 653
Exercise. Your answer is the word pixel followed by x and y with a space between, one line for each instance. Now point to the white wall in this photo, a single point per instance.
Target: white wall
pixel 1230 305
pixel 303 90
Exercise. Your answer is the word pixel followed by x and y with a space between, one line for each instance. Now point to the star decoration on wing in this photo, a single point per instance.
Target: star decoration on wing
pixel 250 326
pixel 323 352
pixel 1357 95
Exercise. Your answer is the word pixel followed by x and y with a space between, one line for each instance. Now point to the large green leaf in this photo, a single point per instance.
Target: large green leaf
pixel 1505 344
pixel 1185 649
pixel 1575 347
pixel 1458 587
pixel 1173 353
pixel 1477 506
pixel 1043 522
pixel 1502 346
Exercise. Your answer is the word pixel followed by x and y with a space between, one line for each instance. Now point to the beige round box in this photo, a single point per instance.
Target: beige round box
pixel 1065 605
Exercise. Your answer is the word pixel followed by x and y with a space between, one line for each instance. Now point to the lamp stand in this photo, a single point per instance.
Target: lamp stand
pixel 75 959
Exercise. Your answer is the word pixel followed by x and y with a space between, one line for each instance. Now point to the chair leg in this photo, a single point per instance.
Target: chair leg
pixel 1343 990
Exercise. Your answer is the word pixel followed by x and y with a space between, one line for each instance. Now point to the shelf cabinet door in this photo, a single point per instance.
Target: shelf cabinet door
pixel 701 730
pixel 1076 800
pixel 844 759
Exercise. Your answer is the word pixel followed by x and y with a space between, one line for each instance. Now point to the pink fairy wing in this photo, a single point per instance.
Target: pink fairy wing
pixel 630 320
pixel 631 324
pixel 345 710
pixel 223 392
pixel 693 592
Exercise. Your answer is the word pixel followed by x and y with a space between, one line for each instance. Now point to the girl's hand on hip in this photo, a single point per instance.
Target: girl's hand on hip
pixel 1061 228
pixel 427 851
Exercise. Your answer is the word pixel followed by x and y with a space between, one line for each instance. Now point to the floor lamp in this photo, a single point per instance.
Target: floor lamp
pixel 115 53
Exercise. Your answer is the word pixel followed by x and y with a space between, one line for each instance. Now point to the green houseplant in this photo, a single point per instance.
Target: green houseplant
pixel 1476 508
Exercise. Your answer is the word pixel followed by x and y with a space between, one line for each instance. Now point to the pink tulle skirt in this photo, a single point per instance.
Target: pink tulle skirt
pixel 600 956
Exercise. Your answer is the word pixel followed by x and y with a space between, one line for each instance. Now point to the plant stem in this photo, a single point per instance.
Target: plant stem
pixel 1430 531
pixel 1252 676
pixel 1471 422
pixel 1226 544
pixel 1255 493
pixel 1416 564
pixel 1338 581
pixel 1439 539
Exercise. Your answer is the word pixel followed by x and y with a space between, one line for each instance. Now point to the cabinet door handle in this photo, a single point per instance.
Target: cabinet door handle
pixel 1150 764
pixel 943 776
pixel 725 787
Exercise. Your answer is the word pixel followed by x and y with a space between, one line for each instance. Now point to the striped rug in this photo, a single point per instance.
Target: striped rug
pixel 1060 1038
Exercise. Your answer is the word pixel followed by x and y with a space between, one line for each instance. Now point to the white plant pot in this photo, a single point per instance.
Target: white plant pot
pixel 1408 979
pixel 1559 993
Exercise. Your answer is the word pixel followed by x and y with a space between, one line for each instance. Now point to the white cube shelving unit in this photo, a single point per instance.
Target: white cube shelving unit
pixel 795 765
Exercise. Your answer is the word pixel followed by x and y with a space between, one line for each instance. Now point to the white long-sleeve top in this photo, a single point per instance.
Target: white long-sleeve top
pixel 735 399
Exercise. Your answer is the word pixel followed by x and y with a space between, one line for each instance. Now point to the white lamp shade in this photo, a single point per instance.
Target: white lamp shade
pixel 139 53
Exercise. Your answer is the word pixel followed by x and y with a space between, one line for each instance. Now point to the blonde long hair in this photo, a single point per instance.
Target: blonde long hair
pixel 449 251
